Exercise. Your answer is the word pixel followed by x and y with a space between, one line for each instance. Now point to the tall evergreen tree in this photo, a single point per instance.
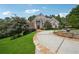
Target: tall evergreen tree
pixel 73 17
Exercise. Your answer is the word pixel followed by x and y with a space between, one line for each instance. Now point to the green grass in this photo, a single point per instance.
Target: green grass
pixel 21 45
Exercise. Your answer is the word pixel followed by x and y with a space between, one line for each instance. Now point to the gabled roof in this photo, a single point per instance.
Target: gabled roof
pixel 39 17
pixel 43 18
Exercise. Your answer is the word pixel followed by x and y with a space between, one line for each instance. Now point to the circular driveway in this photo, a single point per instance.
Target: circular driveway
pixel 48 43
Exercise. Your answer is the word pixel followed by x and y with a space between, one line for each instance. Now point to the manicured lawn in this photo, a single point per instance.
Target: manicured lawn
pixel 21 45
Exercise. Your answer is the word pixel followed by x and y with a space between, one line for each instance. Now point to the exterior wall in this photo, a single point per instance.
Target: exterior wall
pixel 42 19
pixel 35 25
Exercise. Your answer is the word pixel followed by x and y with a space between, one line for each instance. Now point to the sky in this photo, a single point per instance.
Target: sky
pixel 26 10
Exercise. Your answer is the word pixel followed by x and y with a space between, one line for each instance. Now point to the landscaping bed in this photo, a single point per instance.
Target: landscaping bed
pixel 67 35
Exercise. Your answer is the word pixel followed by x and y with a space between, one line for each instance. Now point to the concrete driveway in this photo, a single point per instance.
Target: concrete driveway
pixel 48 43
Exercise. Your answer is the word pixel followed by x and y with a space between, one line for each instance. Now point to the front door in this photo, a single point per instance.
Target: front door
pixel 38 24
pixel 38 27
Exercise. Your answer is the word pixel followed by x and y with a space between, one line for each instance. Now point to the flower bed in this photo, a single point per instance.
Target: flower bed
pixel 67 34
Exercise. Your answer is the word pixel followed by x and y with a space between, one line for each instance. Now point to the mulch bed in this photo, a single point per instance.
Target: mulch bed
pixel 66 34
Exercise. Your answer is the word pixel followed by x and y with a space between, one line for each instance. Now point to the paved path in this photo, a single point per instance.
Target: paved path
pixel 48 43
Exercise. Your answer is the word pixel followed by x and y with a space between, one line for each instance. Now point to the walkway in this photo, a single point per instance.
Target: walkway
pixel 48 43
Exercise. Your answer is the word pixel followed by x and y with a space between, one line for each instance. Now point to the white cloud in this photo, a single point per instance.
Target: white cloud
pixel 61 14
pixel 7 13
pixel 32 11
pixel 56 14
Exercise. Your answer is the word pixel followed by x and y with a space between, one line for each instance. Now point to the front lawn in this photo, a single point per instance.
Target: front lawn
pixel 21 45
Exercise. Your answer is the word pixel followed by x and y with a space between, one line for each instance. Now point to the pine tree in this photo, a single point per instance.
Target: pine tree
pixel 73 17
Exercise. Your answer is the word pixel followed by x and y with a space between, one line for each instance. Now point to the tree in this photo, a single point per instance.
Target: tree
pixel 58 18
pixel 31 18
pixel 73 17
pixel 61 20
pixel 12 26
pixel 73 21
pixel 50 16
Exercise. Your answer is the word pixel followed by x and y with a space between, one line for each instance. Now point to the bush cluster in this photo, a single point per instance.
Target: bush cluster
pixel 15 27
